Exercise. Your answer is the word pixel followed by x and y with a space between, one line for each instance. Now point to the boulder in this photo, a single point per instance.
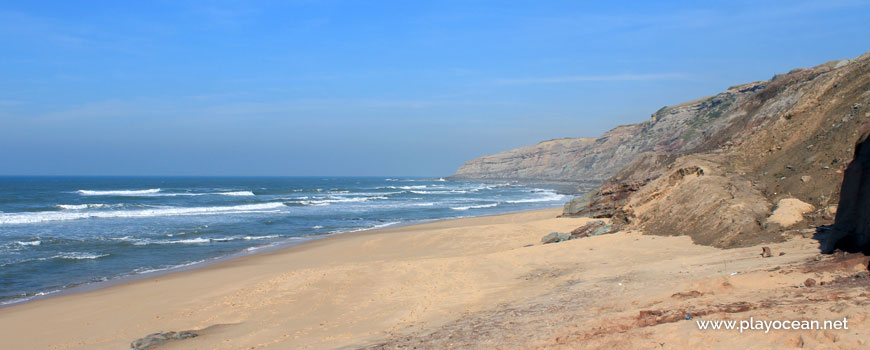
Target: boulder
pixel 594 228
pixel 851 229
pixel 555 237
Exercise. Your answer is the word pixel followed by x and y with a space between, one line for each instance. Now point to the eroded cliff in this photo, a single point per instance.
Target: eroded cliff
pixel 786 139
pixel 674 129
pixel 716 168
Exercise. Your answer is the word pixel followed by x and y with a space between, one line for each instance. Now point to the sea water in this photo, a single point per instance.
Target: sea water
pixel 61 232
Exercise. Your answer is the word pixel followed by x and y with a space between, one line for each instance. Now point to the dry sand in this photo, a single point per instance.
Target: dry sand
pixel 468 283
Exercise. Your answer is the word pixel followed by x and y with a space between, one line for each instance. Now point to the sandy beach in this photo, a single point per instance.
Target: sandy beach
pixel 484 282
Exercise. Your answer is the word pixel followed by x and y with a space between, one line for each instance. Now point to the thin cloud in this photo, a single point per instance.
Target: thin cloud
pixel 594 78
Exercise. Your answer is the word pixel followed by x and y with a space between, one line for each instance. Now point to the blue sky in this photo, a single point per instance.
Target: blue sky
pixel 370 88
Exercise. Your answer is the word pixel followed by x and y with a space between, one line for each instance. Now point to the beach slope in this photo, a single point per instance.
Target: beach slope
pixel 483 282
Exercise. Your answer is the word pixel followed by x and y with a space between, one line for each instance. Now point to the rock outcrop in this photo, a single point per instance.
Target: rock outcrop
pixel 851 230
pixel 716 168
pixel 785 138
pixel 699 197
pixel 671 130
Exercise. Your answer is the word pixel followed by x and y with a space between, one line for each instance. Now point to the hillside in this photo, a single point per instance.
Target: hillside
pixel 781 153
pixel 674 129
pixel 717 168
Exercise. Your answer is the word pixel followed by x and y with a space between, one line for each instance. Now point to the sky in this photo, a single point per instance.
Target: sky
pixel 380 88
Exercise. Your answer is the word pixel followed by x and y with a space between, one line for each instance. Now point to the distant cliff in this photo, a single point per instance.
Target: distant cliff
pixel 675 129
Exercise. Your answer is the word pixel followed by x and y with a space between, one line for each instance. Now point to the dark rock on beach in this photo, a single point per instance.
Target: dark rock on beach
pixel 555 237
pixel 594 228
pixel 851 230
pixel 154 340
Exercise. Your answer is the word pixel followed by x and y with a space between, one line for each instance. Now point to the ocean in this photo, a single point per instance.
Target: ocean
pixel 58 233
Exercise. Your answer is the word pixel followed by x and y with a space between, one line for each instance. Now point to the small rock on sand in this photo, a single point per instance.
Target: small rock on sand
pixel 156 339
pixel 555 237
pixel 810 282
pixel 765 252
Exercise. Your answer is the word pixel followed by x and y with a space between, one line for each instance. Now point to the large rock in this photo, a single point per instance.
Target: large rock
pixel 700 198
pixel 851 230
pixel 607 201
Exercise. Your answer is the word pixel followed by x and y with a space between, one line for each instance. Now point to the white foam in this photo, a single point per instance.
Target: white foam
pixel 36 217
pixel 78 256
pixel 332 199
pixel 86 206
pixel 118 192
pixel 375 227
pixel 236 193
pixel 199 240
pixel 548 197
pixel 180 241
pixel 317 227
pixel 430 192
pixel 141 270
pixel 475 206
pixel 39 294
pixel 30 243
pixel 418 187
pixel 156 192
pixel 254 238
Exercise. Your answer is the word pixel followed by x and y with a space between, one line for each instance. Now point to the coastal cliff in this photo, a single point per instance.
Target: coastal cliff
pixel 723 169
pixel 674 129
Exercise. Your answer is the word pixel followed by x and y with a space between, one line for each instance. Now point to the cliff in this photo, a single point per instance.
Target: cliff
pixel 716 168
pixel 780 150
pixel 674 129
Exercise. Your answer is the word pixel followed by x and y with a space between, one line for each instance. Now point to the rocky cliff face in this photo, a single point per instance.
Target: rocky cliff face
pixel 716 168
pixel 789 138
pixel 672 130
pixel 851 230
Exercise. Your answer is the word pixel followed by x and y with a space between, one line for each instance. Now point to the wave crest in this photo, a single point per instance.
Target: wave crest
pixel 36 217
pixel 475 206
pixel 118 192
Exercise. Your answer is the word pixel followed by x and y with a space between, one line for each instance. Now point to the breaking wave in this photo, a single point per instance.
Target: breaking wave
pixel 118 192
pixel 35 217
pixel 475 206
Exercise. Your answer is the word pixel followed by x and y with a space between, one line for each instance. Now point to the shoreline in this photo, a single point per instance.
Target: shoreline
pixel 290 242
pixel 478 282
pixel 113 316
